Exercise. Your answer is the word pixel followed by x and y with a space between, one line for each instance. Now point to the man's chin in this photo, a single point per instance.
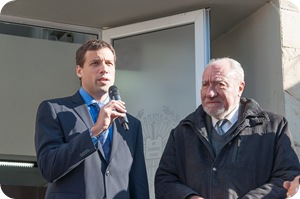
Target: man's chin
pixel 215 113
pixel 104 87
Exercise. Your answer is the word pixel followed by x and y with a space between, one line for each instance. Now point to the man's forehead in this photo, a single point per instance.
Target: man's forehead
pixel 103 53
pixel 213 71
pixel 213 79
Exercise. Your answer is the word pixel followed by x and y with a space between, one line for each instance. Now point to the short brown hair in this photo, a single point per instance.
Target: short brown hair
pixel 92 45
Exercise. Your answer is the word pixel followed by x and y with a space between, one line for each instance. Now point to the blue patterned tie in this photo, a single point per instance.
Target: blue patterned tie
pixel 104 137
pixel 219 126
pixel 94 110
pixel 105 141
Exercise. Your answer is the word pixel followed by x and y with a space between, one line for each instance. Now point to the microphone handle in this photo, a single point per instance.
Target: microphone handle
pixel 123 121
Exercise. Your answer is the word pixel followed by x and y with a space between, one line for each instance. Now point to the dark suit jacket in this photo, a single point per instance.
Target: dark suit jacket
pixel 74 168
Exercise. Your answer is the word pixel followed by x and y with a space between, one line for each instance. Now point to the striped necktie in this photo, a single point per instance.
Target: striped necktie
pixel 219 126
pixel 104 137
pixel 94 110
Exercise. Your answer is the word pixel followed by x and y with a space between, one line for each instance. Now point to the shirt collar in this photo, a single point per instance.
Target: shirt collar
pixel 88 99
pixel 232 117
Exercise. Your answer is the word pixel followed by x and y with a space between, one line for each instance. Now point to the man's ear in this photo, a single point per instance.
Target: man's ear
pixel 79 71
pixel 241 88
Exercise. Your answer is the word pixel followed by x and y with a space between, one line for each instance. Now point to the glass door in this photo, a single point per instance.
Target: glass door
pixel 159 68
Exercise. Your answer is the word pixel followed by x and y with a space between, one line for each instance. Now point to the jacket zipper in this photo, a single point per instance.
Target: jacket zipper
pixel 236 150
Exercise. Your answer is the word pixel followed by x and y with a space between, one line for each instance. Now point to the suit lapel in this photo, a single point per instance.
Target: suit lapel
pixel 116 139
pixel 81 109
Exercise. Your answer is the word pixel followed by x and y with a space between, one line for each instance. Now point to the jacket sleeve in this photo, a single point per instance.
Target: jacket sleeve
pixel 285 167
pixel 167 184
pixel 56 156
pixel 138 181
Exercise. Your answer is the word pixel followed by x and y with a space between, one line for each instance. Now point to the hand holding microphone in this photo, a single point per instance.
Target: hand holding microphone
pixel 115 95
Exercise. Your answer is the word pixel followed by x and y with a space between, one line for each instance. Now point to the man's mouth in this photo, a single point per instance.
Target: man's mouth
pixel 103 79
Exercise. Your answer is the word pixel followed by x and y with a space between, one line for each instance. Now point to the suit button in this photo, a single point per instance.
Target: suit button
pixel 107 173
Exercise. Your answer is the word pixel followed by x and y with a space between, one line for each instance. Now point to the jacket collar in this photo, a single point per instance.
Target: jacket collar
pixel 250 114
pixel 250 111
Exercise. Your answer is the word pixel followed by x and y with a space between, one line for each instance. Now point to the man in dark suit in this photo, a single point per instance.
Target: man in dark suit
pixel 84 152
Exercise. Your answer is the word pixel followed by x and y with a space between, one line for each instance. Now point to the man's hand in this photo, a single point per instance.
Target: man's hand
pixel 291 186
pixel 108 113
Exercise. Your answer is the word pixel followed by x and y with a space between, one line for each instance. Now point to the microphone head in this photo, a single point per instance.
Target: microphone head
pixel 114 94
pixel 113 91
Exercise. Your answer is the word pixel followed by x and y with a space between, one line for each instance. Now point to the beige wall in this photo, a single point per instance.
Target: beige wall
pixel 290 30
pixel 267 44
pixel 255 43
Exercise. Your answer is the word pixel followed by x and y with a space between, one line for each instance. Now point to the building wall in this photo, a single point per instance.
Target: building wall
pixel 267 45
pixel 255 43
pixel 290 32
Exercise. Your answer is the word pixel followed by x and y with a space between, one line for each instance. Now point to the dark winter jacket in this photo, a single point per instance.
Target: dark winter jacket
pixel 257 159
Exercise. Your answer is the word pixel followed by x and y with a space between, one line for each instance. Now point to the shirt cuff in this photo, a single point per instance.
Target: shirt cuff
pixel 94 139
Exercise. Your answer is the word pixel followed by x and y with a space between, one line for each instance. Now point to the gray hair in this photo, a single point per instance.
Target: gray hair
pixel 235 66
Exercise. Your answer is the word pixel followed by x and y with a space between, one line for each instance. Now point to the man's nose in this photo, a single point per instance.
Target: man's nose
pixel 211 92
pixel 104 68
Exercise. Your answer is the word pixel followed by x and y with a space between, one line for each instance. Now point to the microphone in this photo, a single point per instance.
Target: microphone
pixel 115 95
